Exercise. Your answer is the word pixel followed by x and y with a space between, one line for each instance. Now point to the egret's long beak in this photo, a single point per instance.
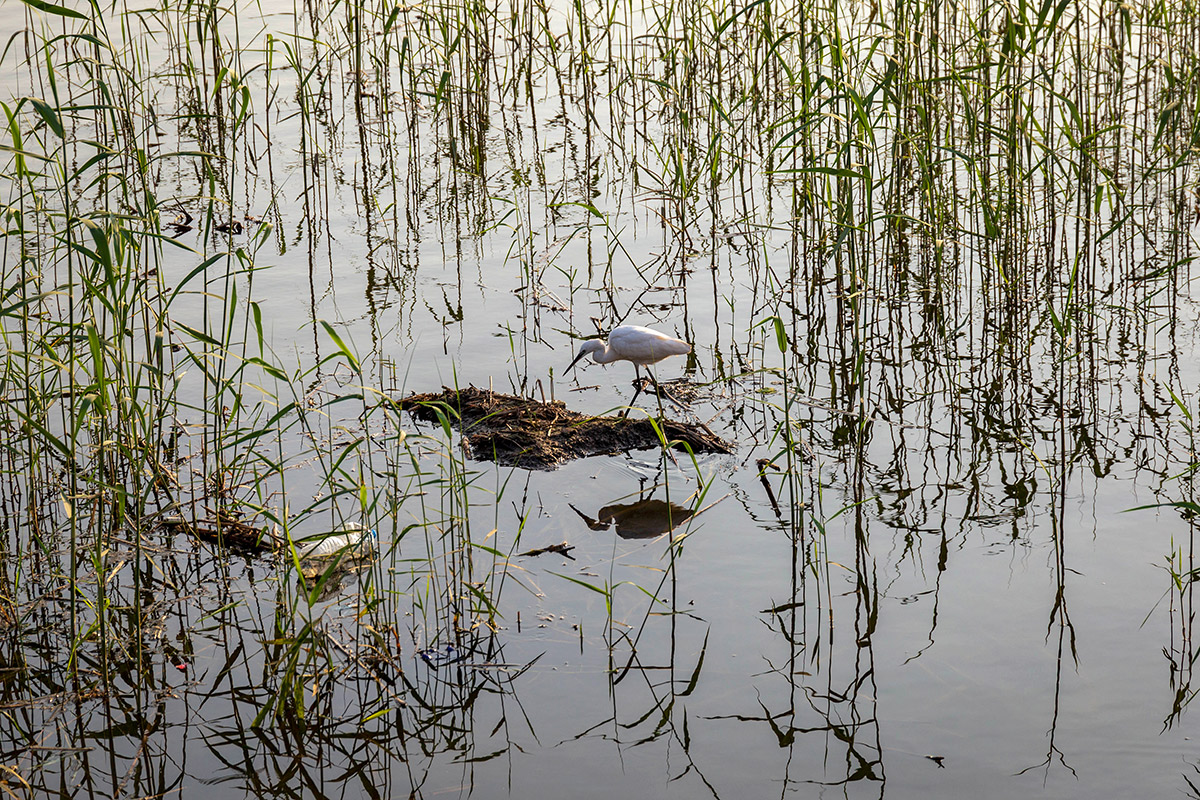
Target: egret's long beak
pixel 582 353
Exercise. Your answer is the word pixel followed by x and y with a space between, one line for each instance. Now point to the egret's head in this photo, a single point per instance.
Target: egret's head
pixel 590 346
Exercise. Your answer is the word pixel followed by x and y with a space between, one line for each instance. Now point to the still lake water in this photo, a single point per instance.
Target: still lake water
pixel 944 591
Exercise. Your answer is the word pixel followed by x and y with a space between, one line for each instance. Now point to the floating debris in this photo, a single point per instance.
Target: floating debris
pixel 328 560
pixel 335 543
pixel 440 657
pixel 226 531
pixel 517 431
pixel 314 552
pixel 182 224
pixel 562 549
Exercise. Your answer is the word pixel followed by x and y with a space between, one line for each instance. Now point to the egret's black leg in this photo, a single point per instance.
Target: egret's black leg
pixel 637 385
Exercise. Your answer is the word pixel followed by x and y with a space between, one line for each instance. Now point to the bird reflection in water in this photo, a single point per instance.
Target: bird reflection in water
pixel 644 519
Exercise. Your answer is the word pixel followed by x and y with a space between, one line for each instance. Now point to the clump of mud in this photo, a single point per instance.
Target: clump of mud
pixel 516 431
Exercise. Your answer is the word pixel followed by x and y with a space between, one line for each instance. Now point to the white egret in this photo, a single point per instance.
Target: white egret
pixel 635 344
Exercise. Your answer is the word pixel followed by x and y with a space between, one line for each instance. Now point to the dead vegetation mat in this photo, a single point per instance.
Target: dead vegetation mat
pixel 517 431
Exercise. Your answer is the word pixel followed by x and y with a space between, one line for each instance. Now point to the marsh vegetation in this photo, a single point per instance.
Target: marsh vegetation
pixel 934 262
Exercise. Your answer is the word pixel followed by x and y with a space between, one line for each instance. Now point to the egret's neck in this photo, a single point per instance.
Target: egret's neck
pixel 605 356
